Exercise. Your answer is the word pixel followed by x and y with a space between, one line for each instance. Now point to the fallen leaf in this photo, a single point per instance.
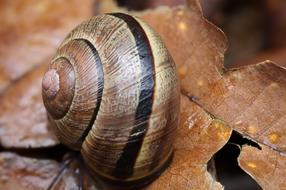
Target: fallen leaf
pixel 23 120
pixel 266 166
pixel 32 30
pixel 252 101
pixel 18 172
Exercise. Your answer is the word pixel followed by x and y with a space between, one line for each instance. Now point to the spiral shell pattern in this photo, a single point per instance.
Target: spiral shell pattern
pixel 112 92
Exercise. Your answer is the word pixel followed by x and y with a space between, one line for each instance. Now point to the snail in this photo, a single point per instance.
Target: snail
pixel 111 92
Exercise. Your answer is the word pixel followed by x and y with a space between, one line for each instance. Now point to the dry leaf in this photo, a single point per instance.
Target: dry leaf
pixel 31 31
pixel 18 172
pixel 252 100
pixel 266 166
pixel 23 120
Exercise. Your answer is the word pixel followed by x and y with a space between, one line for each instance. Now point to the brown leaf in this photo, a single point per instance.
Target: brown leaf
pixel 252 100
pixel 23 121
pixel 31 31
pixel 266 166
pixel 18 172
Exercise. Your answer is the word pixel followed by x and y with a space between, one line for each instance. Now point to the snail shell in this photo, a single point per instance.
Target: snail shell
pixel 112 92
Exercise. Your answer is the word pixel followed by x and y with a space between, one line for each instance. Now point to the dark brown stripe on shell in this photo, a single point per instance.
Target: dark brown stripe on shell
pixel 100 85
pixel 125 164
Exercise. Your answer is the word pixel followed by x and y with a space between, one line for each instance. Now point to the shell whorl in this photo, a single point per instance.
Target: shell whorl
pixel 112 93
pixel 58 87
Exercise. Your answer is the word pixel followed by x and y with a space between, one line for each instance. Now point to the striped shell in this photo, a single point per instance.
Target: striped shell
pixel 112 92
